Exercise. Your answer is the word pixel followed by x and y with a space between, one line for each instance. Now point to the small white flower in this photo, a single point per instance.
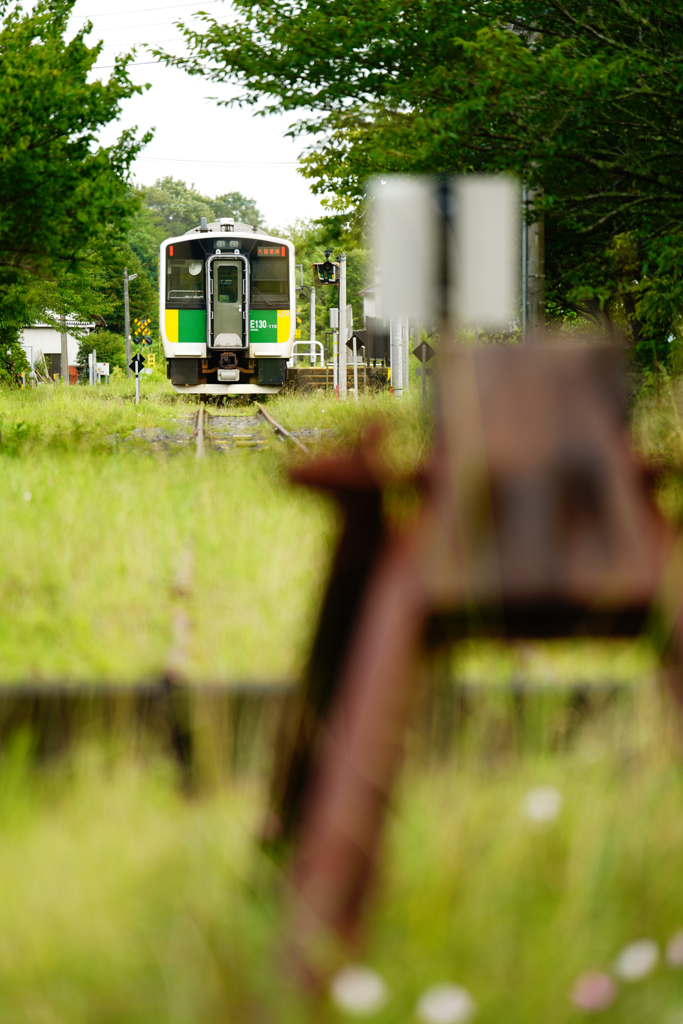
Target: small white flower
pixel 359 991
pixel 27 495
pixel 542 804
pixel 446 1004
pixel 637 960
pixel 674 950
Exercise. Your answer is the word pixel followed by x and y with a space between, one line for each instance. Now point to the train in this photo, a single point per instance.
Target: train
pixel 227 303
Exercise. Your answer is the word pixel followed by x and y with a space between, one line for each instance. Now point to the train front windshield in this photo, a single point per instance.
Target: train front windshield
pixel 270 283
pixel 184 280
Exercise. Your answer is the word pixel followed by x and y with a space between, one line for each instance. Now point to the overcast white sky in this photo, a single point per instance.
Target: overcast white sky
pixel 219 149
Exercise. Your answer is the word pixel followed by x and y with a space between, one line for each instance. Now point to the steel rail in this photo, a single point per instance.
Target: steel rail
pixel 280 430
pixel 199 431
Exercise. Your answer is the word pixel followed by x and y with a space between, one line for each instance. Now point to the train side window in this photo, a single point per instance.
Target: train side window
pixel 184 280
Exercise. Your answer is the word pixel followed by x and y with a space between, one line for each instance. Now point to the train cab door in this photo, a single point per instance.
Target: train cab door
pixel 228 300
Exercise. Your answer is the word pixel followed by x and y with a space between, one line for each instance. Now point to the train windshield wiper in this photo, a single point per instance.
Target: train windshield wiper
pixel 261 297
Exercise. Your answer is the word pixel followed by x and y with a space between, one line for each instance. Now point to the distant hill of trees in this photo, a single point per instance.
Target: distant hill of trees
pixel 171 207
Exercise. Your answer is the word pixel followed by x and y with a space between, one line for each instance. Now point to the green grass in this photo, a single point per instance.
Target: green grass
pixel 90 559
pixel 90 562
pixel 476 895
pixel 123 901
pixel 95 527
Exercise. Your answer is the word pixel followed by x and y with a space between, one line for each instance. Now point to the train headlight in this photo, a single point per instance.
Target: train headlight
pixel 195 268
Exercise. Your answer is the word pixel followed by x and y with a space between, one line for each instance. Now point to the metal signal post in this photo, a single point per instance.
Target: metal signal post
pixel 335 273
pixel 126 311
pixel 342 327
pixel 135 366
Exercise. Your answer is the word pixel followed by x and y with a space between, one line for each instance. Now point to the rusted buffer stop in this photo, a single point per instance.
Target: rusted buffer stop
pixel 536 520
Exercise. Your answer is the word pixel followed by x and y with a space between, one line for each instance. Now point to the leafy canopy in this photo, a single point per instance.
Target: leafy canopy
pixel 59 189
pixel 584 101
pixel 171 207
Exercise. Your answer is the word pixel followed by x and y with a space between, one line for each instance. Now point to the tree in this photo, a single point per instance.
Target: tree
pixel 143 296
pixel 310 239
pixel 58 188
pixel 110 348
pixel 581 100
pixel 171 207
pixel 176 207
pixel 237 206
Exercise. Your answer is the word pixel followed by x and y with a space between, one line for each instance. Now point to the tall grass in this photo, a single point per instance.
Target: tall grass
pixel 123 901
pixel 92 544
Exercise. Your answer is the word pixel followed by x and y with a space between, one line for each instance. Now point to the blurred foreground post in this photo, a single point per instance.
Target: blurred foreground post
pixel 462 265
pixel 535 521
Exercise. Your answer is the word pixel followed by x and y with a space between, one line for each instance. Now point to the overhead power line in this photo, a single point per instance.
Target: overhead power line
pixel 220 163
pixel 144 10
pixel 133 64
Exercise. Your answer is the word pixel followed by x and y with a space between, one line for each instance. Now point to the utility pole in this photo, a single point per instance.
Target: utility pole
pixel 342 327
pixel 525 263
pixel 65 351
pixel 312 331
pixel 126 313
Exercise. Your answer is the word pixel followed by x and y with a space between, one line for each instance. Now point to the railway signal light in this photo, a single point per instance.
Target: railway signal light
pixel 327 272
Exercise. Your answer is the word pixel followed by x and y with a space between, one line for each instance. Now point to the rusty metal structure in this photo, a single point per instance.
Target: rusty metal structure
pixel 536 520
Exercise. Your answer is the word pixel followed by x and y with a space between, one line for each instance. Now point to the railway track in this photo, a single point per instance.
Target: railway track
pixel 231 718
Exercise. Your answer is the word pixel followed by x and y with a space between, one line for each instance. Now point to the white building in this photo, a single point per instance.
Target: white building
pixel 43 339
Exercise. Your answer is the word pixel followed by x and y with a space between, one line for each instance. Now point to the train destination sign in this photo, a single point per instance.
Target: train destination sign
pixel 271 250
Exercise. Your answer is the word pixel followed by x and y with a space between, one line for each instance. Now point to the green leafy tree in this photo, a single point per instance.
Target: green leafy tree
pixel 13 361
pixel 176 207
pixel 234 204
pixel 171 207
pixel 110 348
pixel 59 189
pixel 143 296
pixel 581 100
pixel 311 239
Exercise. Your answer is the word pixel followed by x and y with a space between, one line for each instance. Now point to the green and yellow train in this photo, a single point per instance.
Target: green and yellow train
pixel 228 312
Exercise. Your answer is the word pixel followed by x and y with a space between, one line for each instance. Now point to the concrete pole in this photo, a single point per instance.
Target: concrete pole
pixel 405 357
pixel 126 312
pixel 335 362
pixel 65 351
pixel 396 327
pixel 535 288
pixel 392 355
pixel 342 327
pixel 312 331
